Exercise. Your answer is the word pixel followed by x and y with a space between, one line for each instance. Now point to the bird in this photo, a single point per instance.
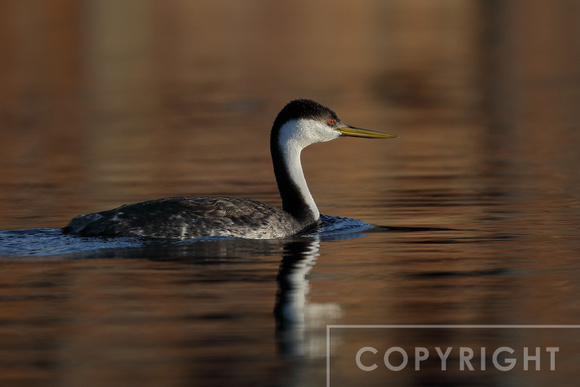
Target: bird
pixel 302 122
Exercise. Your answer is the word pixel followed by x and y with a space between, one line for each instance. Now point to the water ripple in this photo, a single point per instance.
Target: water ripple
pixel 40 242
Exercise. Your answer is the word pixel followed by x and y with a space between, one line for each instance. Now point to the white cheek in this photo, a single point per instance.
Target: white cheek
pixel 301 133
pixel 314 132
pixel 331 134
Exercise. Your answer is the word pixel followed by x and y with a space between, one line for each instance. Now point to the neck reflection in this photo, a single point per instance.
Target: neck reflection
pixel 300 325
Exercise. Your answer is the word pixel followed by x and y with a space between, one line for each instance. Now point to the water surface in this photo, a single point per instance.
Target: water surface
pixel 470 217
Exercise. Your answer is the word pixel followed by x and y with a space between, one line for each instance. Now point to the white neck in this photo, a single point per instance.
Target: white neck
pixel 294 136
pixel 291 158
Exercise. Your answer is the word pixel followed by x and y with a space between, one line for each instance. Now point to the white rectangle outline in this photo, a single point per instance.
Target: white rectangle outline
pixel 329 327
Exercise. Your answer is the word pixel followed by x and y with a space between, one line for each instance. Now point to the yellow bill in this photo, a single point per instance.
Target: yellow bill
pixel 365 133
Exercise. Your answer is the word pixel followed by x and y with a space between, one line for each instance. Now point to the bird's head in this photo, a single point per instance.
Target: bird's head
pixel 303 122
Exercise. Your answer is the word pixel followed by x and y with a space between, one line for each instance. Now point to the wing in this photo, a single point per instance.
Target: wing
pixel 188 217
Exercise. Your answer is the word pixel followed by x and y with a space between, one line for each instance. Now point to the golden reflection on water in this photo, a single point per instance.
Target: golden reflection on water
pixel 104 103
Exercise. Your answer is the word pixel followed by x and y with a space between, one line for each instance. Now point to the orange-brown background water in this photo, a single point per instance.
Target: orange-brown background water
pixel 104 103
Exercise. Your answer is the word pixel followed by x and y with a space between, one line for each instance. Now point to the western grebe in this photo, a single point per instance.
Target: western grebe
pixel 300 123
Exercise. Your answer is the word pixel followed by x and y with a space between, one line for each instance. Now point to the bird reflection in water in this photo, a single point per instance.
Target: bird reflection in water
pixel 300 325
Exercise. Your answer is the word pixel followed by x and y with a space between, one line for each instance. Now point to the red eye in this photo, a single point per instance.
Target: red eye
pixel 331 121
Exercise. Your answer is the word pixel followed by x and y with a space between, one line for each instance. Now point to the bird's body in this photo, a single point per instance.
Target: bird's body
pixel 184 217
pixel 299 124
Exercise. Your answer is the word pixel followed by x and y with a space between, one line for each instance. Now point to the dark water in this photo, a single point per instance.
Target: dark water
pixel 470 218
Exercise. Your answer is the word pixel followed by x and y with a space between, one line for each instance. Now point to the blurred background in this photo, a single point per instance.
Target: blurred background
pixel 105 102
pixel 139 95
